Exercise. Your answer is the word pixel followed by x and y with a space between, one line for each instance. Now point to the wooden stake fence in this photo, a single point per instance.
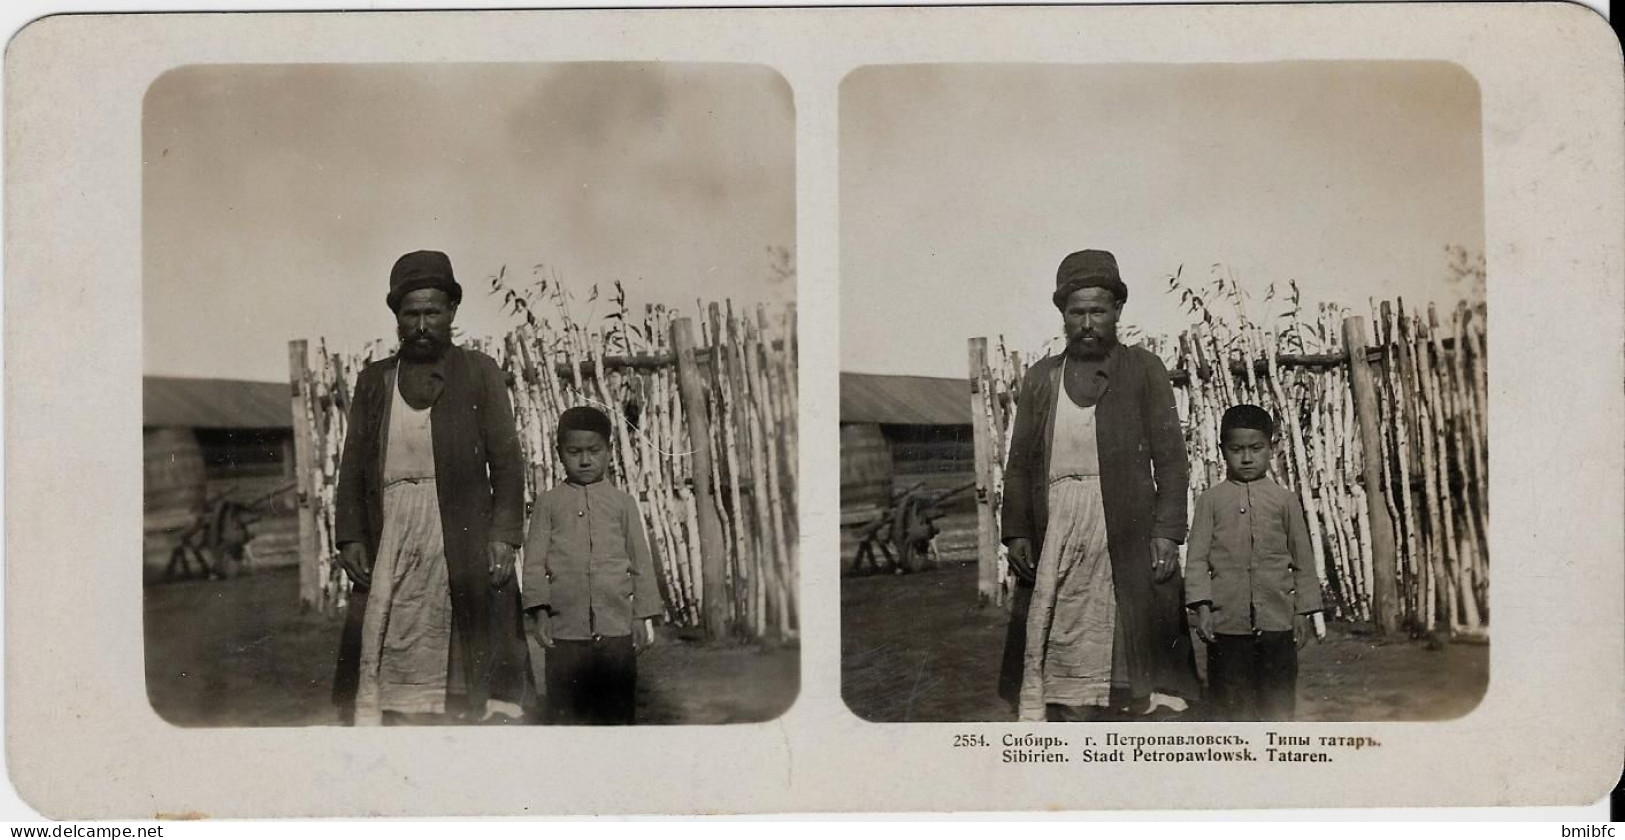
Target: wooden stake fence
pixel 310 584
pixel 987 537
pixel 704 438
pixel 713 553
pixel 1382 436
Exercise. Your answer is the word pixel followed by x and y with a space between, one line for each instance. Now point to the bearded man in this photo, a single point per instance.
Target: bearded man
pixel 430 514
pixel 1094 512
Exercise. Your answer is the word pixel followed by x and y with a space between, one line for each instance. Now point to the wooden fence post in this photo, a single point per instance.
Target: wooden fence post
pixel 310 584
pixel 713 554
pixel 987 549
pixel 1384 589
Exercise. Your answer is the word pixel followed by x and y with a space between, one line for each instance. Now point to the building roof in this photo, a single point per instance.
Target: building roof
pixel 905 400
pixel 215 403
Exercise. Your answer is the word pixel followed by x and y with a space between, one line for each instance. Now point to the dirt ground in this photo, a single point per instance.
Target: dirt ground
pixel 918 648
pixel 239 652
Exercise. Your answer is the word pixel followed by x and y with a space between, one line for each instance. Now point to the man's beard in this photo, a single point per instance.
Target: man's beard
pixel 1077 346
pixel 423 347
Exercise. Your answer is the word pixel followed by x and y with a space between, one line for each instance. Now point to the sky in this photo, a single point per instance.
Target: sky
pixel 963 187
pixel 276 198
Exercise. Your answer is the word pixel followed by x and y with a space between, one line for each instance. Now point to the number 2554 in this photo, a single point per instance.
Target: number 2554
pixel 970 741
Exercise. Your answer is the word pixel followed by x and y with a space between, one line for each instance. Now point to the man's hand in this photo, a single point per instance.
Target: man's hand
pixel 1204 623
pixel 499 556
pixel 540 624
pixel 1164 558
pixel 355 563
pixel 642 634
pixel 1020 555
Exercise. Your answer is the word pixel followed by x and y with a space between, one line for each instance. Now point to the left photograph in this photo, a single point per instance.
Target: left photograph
pixel 469 394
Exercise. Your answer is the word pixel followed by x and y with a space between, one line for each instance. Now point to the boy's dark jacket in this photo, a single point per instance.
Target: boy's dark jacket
pixel 480 482
pixel 1144 477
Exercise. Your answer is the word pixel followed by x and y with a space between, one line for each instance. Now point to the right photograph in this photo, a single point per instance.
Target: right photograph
pixel 1163 392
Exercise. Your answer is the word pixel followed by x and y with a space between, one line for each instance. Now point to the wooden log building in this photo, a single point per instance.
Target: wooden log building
pixel 208 439
pixel 897 431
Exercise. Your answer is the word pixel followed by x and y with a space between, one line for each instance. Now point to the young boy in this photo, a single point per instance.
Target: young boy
pixel 1250 575
pixel 589 582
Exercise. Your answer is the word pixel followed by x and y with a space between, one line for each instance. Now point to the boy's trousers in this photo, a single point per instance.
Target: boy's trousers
pixel 592 682
pixel 1253 677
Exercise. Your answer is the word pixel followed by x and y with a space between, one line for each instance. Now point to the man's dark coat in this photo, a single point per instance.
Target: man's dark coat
pixel 479 478
pixel 1144 478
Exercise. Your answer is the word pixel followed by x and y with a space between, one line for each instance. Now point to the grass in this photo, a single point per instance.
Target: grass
pixel 918 648
pixel 240 652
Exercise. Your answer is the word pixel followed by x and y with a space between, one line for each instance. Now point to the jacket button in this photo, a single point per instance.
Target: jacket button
pixel 581 513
